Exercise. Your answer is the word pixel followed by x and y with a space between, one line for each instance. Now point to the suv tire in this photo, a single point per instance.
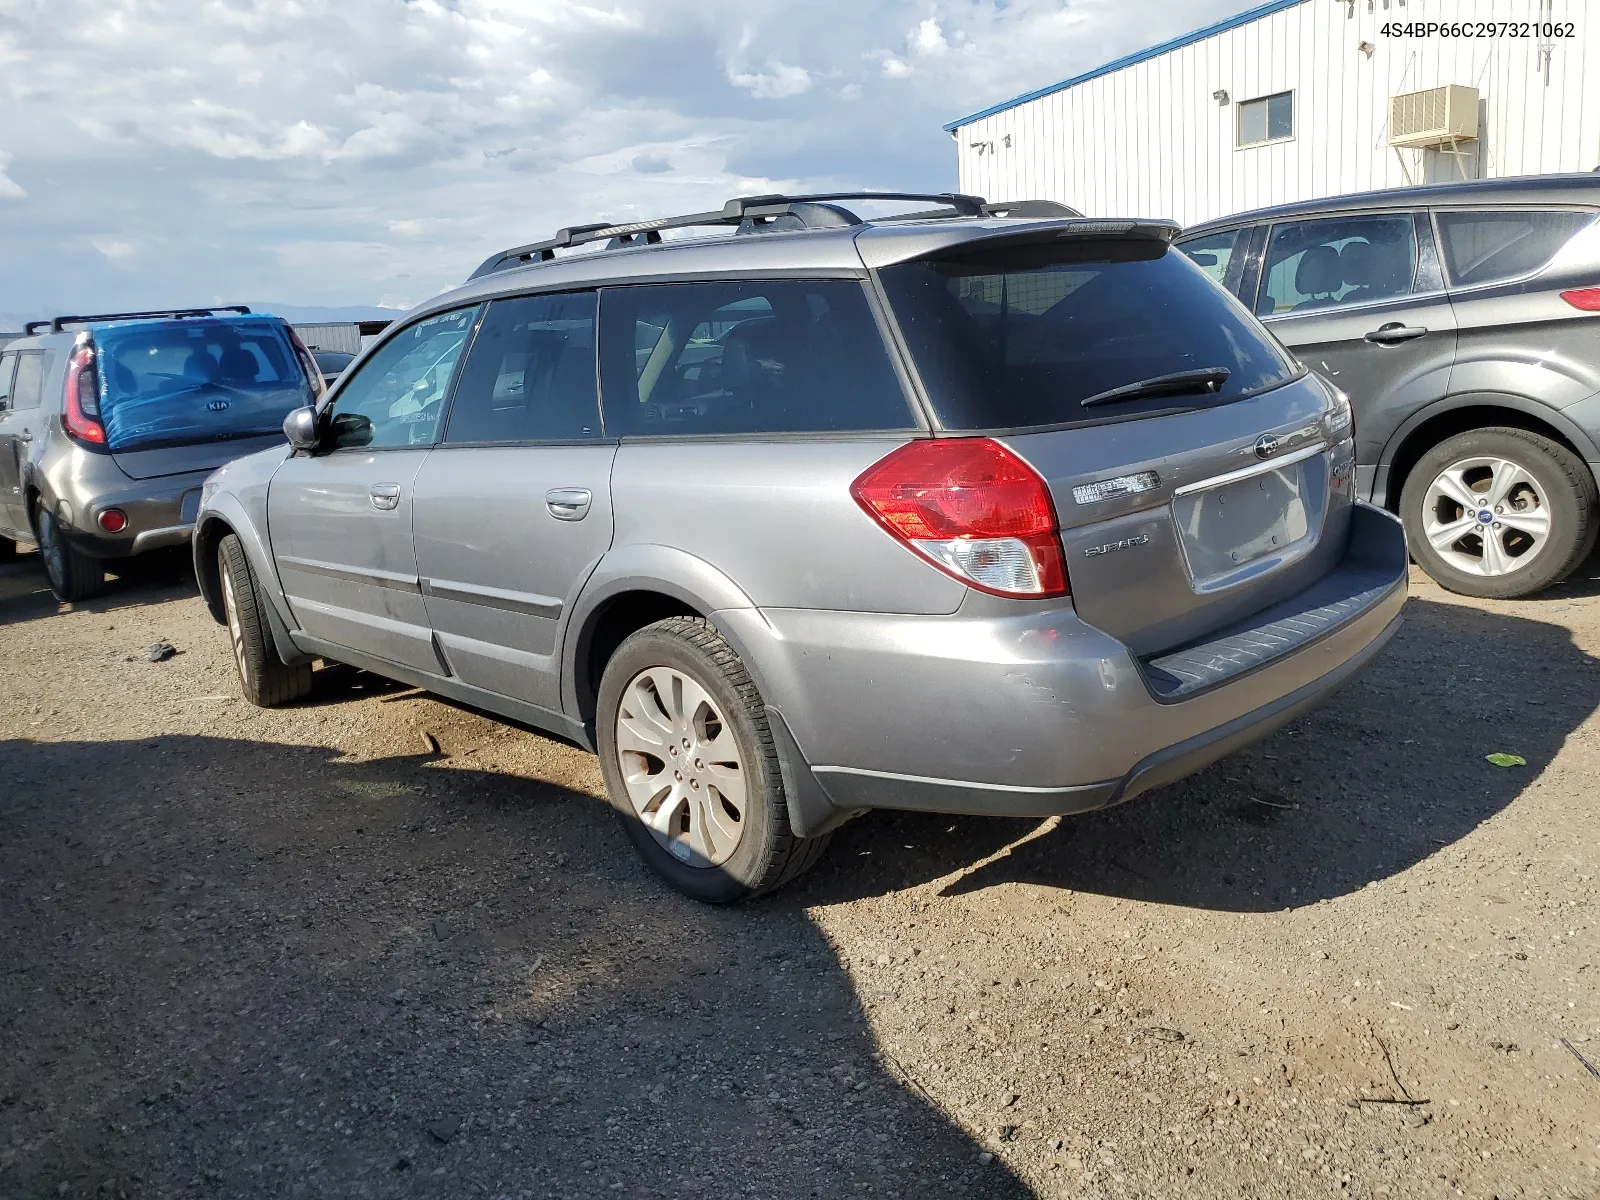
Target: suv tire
pixel 73 575
pixel 1541 486
pixel 741 847
pixel 263 677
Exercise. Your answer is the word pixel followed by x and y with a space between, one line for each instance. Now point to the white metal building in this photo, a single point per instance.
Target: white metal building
pixel 1298 99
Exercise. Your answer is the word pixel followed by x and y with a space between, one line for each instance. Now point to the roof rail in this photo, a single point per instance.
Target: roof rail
pixel 54 324
pixel 748 214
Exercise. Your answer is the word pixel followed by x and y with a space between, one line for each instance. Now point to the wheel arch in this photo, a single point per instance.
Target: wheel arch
pixel 208 535
pixel 1458 414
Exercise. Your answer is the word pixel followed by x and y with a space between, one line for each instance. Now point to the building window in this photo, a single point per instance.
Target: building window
pixel 1267 119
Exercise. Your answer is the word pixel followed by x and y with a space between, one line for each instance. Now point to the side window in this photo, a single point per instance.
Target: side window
pixel 779 356
pixel 1482 247
pixel 529 375
pixel 29 381
pixel 8 369
pixel 397 396
pixel 1340 260
pixel 1213 253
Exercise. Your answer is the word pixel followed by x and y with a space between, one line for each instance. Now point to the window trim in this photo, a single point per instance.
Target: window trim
pixel 1452 288
pixel 326 410
pixel 1294 123
pixel 1357 306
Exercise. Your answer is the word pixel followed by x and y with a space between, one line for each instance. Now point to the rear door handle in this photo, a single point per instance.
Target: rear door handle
pixel 1395 331
pixel 385 496
pixel 568 504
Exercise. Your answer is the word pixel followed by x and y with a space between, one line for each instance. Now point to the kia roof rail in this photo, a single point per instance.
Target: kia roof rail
pixel 750 214
pixel 55 324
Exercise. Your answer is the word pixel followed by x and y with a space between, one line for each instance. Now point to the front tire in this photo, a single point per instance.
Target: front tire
pixel 73 575
pixel 690 767
pixel 263 677
pixel 1499 513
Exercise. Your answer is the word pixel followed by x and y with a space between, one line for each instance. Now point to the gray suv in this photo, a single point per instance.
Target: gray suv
pixel 978 510
pixel 1463 319
pixel 109 425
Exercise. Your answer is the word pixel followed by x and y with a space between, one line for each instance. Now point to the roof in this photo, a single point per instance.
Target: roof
pixel 1128 60
pixel 1576 188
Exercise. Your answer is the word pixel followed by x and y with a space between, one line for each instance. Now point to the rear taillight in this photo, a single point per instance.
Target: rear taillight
pixel 81 411
pixel 973 509
pixel 307 364
pixel 1587 299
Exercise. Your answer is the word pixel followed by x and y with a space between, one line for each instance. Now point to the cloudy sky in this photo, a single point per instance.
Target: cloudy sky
pixel 342 152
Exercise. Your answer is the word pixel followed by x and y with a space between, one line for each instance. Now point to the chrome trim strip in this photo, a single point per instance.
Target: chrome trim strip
pixel 1254 469
pixel 523 602
pixel 388 579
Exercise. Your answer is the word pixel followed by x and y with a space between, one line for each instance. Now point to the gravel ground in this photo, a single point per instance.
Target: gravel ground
pixel 303 953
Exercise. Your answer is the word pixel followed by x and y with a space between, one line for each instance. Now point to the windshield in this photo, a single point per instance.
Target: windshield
pixel 183 382
pixel 1022 335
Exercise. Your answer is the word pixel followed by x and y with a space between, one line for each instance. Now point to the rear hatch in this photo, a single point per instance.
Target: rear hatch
pixel 190 395
pixel 1198 473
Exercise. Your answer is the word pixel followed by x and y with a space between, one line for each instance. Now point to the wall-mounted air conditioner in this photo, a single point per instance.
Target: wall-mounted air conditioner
pixel 1440 116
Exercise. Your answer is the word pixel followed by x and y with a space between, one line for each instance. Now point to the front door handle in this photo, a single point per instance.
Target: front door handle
pixel 385 496
pixel 1395 332
pixel 568 504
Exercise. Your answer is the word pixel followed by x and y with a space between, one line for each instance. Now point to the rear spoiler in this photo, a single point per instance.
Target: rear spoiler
pixel 954 240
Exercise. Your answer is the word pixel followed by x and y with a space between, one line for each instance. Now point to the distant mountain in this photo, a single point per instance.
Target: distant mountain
pixel 11 323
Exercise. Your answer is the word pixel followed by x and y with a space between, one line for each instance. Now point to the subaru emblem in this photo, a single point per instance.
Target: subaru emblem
pixel 1266 446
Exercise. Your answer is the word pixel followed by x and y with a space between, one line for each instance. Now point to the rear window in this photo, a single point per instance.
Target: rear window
pixel 184 382
pixel 1022 335
pixel 1482 247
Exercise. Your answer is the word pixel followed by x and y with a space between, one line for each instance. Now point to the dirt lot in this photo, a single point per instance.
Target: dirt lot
pixel 297 953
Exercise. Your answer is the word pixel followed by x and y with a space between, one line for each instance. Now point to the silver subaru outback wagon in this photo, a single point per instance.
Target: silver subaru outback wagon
pixel 984 509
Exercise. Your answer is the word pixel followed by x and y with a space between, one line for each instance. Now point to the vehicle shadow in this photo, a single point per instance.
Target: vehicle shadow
pixel 241 968
pixel 1386 773
pixel 152 579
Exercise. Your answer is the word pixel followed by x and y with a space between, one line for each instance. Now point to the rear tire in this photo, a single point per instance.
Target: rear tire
pixel 728 839
pixel 73 575
pixel 1539 500
pixel 263 677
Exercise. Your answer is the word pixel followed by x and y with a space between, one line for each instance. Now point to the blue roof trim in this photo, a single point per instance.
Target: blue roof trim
pixel 1139 56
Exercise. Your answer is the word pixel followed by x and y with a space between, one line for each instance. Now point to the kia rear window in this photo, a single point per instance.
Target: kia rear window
pixel 1076 332
pixel 185 382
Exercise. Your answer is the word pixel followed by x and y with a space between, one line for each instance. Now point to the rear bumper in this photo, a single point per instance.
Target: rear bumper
pixel 160 512
pixel 1039 714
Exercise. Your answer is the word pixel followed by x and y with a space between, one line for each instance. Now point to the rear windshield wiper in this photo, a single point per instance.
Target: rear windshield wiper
pixel 1179 383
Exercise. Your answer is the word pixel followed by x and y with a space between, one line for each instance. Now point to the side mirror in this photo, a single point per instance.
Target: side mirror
pixel 300 427
pixel 350 429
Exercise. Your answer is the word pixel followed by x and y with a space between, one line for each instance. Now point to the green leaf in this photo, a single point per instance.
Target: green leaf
pixel 1501 759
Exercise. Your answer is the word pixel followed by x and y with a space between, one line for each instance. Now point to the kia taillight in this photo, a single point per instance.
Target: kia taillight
pixel 1588 299
pixel 973 509
pixel 80 414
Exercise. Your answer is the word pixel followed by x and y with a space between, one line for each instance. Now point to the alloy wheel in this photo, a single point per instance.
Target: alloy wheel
pixel 681 765
pixel 1486 516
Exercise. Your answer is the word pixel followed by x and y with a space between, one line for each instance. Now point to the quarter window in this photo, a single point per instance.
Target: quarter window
pixel 1482 247
pixel 1342 260
pixel 397 396
pixel 29 382
pixel 768 357
pixel 530 374
pixel 8 368
pixel 1267 119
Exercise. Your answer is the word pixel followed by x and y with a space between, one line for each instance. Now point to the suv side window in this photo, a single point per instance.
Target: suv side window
pixel 1483 247
pixel 757 357
pixel 1214 253
pixel 8 368
pixel 1337 261
pixel 397 397
pixel 530 374
pixel 28 385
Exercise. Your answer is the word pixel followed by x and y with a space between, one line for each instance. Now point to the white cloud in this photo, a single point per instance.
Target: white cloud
pixel 332 151
pixel 776 82
pixel 10 189
pixel 927 38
